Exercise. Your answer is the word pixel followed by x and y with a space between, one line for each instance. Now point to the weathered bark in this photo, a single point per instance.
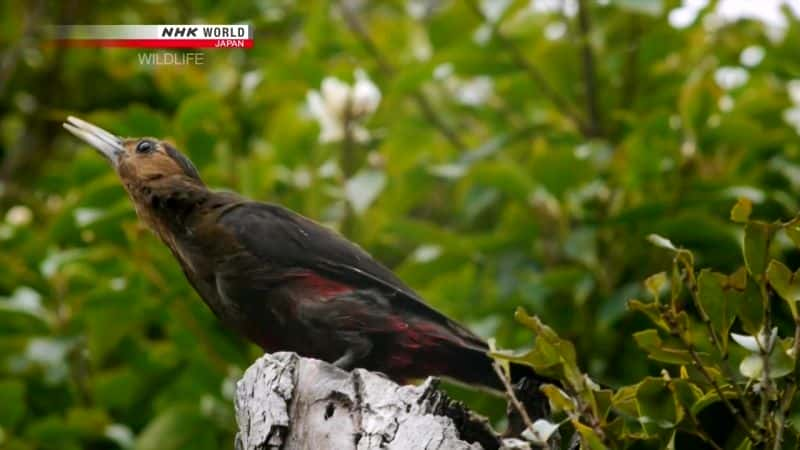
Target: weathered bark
pixel 287 402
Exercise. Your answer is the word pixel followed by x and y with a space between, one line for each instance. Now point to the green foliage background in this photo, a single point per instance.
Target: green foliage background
pixel 104 345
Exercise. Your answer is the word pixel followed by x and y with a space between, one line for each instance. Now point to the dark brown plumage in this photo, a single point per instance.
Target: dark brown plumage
pixel 284 281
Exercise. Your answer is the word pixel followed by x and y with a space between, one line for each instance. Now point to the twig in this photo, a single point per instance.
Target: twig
pixel 781 419
pixel 765 349
pixel 10 58
pixel 436 120
pixel 518 57
pixel 515 401
pixel 513 397
pixel 693 290
pixel 630 74
pixel 796 343
pixel 358 29
pixel 589 70
pixel 700 431
pixel 348 159
pixel 699 365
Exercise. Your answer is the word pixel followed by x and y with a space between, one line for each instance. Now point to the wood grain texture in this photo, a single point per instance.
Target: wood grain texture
pixel 288 402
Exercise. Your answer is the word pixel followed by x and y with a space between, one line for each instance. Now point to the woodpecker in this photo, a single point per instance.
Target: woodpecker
pixel 285 282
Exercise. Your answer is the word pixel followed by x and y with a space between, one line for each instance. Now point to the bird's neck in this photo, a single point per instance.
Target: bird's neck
pixel 169 205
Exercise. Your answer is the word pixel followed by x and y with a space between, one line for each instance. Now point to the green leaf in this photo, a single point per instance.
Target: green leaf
pixel 656 404
pixel 757 237
pixel 53 429
pixel 90 422
pixel 718 300
pixel 178 427
pixel 655 283
pixel 559 399
pixel 750 309
pixel 650 341
pixel 12 402
pixel 624 400
pixel 652 310
pixel 785 283
pixel 604 401
pixel 550 355
pixel 589 439
pixel 794 234
pixel 741 210
pixel 686 392
pixel 650 7
pixel 710 398
pixel 780 363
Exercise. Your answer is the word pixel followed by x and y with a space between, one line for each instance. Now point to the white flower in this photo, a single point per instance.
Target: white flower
pixel 697 4
pixel 120 434
pixel 792 117
pixel 19 215
pixel 418 9
pixel 725 103
pixel 545 6
pixel 793 87
pixel 683 17
pixel 426 253
pixel 302 178
pixel 363 188
pixel 366 96
pixel 482 35
pixel 118 284
pixel 443 71
pixel 86 216
pixel 568 7
pixel 755 344
pixel 337 103
pixel 730 77
pixel 752 56
pixel 474 92
pixel 331 127
pixel 555 31
pixel 329 169
pixel 251 80
pixel 540 431
pixel 494 9
pixel 336 94
pixel 471 92
pixel 752 366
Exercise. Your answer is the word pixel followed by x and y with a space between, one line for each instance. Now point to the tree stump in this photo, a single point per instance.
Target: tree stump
pixel 288 402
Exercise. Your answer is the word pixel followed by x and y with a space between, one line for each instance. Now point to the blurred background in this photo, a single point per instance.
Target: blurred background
pixel 495 153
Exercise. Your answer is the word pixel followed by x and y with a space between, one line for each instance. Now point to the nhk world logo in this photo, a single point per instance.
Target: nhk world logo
pixel 193 36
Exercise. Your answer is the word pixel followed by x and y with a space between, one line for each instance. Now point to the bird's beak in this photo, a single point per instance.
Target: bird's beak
pixel 106 143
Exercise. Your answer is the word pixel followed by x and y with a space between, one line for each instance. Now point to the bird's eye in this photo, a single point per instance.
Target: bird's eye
pixel 145 146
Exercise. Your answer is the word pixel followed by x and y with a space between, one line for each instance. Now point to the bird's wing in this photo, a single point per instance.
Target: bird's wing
pixel 286 239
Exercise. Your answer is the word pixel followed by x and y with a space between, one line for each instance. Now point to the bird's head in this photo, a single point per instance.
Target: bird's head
pixel 154 173
pixel 137 160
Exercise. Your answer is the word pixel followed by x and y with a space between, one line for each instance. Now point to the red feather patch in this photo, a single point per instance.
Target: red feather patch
pixel 323 286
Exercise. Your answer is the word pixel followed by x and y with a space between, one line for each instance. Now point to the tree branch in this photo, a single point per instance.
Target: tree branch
pixel 594 126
